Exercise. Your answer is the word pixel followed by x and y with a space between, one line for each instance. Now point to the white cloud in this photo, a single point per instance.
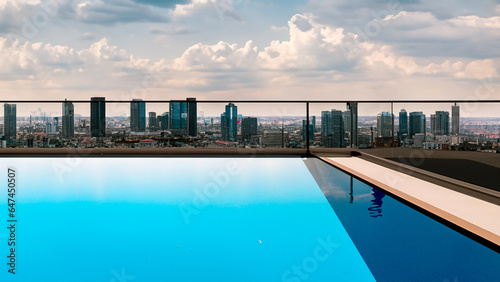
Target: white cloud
pixel 218 8
pixel 477 22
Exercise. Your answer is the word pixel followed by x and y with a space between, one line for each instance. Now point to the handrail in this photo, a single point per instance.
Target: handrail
pixel 264 101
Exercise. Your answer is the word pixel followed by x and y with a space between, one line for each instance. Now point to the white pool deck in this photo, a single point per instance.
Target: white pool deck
pixel 477 216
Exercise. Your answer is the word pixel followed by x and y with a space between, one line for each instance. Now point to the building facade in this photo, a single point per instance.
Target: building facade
pixel 98 117
pixel 455 120
pixel 10 121
pixel 384 124
pixel 137 116
pixel 192 117
pixel 403 124
pixel 417 123
pixel 68 120
pixel 229 123
pixel 248 128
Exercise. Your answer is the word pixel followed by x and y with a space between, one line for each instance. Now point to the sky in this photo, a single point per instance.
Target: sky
pixel 252 49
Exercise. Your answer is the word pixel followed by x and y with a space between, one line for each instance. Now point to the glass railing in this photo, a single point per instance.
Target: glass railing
pixel 292 124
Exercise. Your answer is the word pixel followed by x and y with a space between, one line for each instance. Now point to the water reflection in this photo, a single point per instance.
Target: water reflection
pixel 351 198
pixel 376 208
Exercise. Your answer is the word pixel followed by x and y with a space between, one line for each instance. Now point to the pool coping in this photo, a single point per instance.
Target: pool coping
pixel 472 228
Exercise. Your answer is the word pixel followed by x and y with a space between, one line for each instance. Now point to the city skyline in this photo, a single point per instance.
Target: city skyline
pixel 218 49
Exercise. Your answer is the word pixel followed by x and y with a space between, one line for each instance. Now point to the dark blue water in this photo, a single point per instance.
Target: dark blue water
pixel 397 242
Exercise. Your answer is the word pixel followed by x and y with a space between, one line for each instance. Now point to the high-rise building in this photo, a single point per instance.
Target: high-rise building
pixel 163 121
pixel 417 123
pixel 68 120
pixel 52 126
pixel 338 130
pixel 440 123
pixel 192 117
pixel 137 115
pixel 403 124
pixel 153 122
pixel 178 116
pixel 326 129
pixel 229 123
pixel 353 131
pixel 10 121
pixel 347 125
pixel 248 128
pixel 312 127
pixel 56 125
pixel 384 124
pixel 98 117
pixel 455 120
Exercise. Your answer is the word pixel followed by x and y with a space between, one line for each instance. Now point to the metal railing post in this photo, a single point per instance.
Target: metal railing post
pixel 307 129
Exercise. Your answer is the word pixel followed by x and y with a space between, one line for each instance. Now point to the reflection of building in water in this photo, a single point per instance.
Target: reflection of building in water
pixel 376 208
pixel 351 196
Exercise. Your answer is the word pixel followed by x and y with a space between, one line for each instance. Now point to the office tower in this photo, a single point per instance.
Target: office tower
pixel 178 116
pixel 442 123
pixel 248 128
pixel 353 108
pixel 56 125
pixel 163 121
pixel 403 124
pixel 433 124
pixel 312 127
pixel 98 117
pixel 326 129
pixel 137 115
pixel 384 124
pixel 192 117
pixel 52 127
pixel 229 123
pixel 9 121
pixel 338 130
pixel 455 120
pixel 153 122
pixel 347 123
pixel 417 123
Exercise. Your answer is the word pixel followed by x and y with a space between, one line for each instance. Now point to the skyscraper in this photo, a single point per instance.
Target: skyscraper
pixel 338 130
pixel 384 124
pixel 312 128
pixel 326 129
pixel 455 120
pixel 347 124
pixel 192 117
pixel 98 117
pixel 417 123
pixel 353 131
pixel 433 124
pixel 137 115
pixel 229 123
pixel 248 128
pixel 153 122
pixel 68 120
pixel 403 124
pixel 164 121
pixel 178 116
pixel 10 121
pixel 442 123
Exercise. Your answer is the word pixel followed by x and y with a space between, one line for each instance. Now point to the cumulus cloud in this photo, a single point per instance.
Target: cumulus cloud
pixel 30 61
pixel 315 58
pixel 423 34
pixel 219 8
pixel 26 17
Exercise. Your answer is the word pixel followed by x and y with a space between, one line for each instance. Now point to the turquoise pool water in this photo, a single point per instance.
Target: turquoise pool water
pixel 172 219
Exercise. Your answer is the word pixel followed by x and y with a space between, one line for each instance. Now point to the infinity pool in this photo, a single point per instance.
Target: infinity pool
pixel 219 219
